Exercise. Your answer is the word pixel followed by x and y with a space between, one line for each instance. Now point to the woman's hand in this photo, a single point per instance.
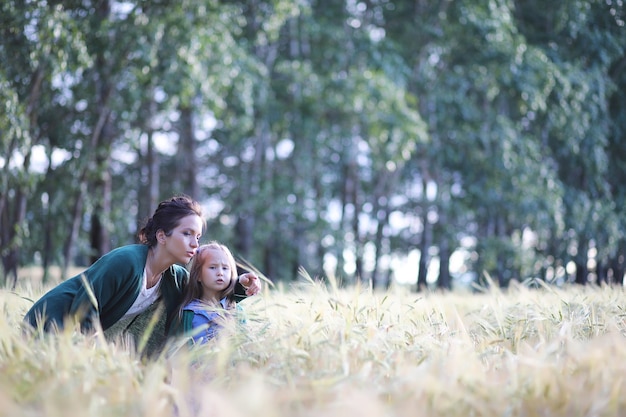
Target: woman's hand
pixel 251 283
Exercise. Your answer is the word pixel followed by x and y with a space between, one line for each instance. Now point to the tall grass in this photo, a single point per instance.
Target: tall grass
pixel 312 350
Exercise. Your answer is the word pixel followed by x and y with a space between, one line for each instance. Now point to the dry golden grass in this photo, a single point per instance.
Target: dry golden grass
pixel 316 351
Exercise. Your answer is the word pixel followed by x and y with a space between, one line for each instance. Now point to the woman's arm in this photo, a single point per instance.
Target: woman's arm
pixel 247 284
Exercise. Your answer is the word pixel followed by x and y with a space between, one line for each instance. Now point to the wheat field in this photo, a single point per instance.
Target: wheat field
pixel 314 350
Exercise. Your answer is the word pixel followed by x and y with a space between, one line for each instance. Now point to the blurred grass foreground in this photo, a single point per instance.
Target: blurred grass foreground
pixel 312 350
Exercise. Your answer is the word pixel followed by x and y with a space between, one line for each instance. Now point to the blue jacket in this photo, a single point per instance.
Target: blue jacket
pixel 201 322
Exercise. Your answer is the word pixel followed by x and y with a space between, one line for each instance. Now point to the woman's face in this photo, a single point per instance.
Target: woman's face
pixel 182 242
pixel 216 273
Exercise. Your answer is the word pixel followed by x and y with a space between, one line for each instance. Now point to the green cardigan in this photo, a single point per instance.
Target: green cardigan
pixel 116 279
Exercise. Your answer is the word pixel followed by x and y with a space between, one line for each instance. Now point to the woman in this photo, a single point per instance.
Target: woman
pixel 128 280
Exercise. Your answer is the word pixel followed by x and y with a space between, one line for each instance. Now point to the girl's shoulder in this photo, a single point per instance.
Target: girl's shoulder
pixel 200 309
pixel 194 305
pixel 228 304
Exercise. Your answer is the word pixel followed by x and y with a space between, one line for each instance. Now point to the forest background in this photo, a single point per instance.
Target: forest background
pixel 430 142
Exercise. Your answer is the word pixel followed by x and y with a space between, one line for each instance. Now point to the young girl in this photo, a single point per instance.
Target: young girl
pixel 209 299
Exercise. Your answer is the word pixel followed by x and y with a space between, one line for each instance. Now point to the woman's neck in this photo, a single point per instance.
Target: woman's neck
pixel 155 267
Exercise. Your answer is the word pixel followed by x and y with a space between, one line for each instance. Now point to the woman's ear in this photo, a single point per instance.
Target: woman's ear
pixel 160 236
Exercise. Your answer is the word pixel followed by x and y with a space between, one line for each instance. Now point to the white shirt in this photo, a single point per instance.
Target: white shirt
pixel 146 297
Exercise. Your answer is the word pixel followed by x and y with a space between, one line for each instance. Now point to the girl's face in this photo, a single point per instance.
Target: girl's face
pixel 182 242
pixel 216 274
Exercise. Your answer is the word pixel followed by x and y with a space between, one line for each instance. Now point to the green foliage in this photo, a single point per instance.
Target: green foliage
pixel 316 131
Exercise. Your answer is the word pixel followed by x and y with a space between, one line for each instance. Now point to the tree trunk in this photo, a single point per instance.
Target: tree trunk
pixel 581 264
pixel 187 154
pixel 358 245
pixel 77 211
pixel 13 225
pixel 148 197
pixel 7 216
pixel 602 274
pixel 10 258
pixel 380 202
pixel 382 213
pixel 444 282
pixel 425 244
pixel 96 137
pixel 345 199
pixel 47 238
pixel 100 234
pixel 581 273
pixel 244 229
pixel 618 267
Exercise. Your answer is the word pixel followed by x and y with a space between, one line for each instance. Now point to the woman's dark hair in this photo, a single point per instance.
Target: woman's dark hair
pixel 167 216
